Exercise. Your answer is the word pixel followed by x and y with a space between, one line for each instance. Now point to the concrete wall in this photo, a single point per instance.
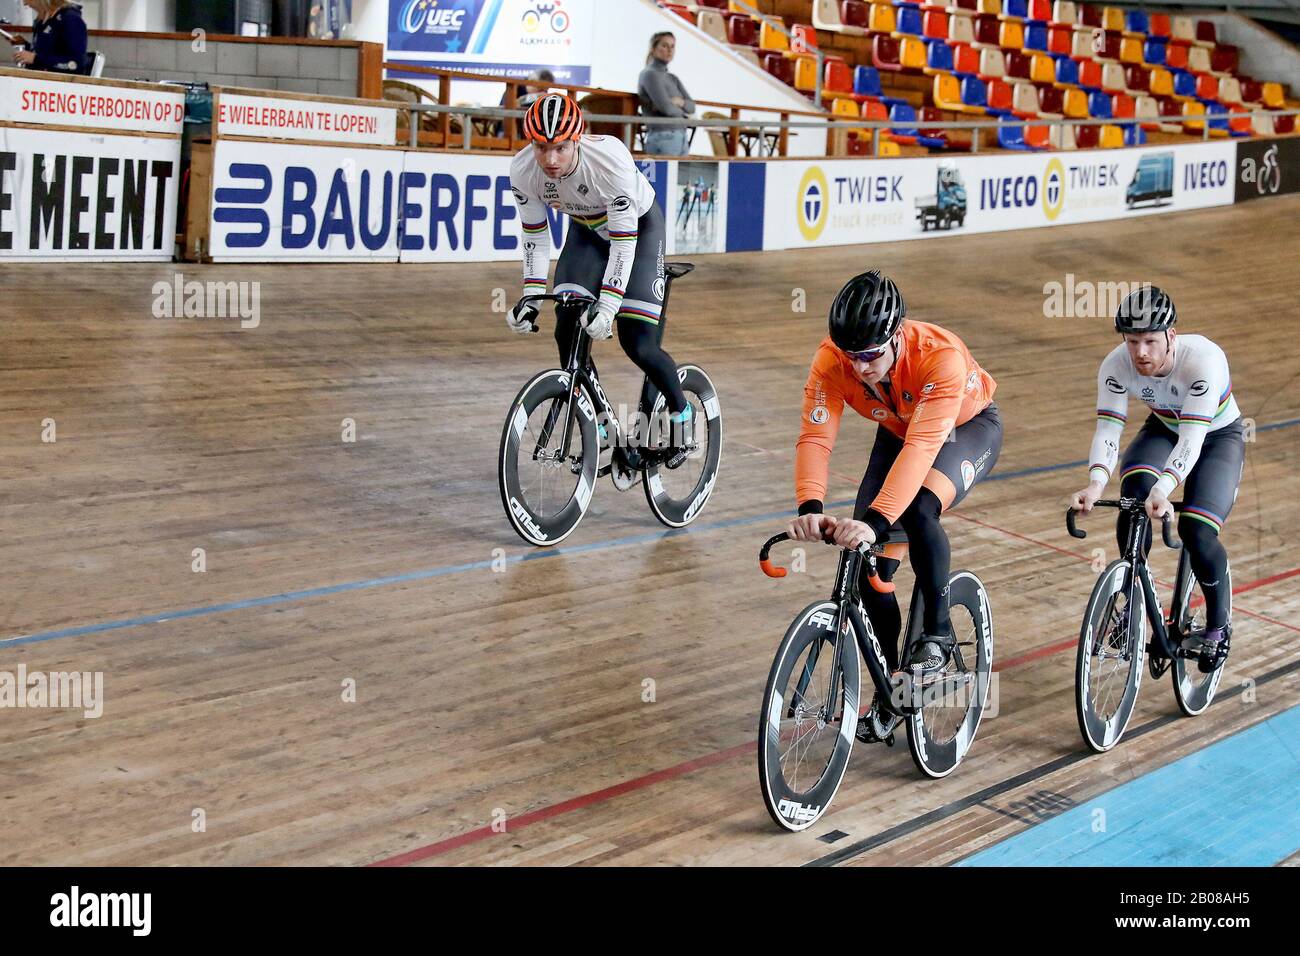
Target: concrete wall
pixel 326 70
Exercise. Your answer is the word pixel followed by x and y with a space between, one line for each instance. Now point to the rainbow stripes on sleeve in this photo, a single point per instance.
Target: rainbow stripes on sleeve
pixel 1108 415
pixel 629 236
pixel 533 229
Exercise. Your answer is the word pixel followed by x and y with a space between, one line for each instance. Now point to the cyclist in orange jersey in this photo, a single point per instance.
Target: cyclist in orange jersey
pixel 939 434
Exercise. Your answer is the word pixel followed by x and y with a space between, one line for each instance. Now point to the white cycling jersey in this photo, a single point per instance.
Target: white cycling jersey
pixel 605 193
pixel 1195 398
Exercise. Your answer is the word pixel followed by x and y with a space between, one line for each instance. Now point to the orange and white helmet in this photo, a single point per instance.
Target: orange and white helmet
pixel 553 118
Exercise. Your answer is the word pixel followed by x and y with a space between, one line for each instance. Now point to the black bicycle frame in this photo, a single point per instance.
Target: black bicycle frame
pixel 1133 552
pixel 582 373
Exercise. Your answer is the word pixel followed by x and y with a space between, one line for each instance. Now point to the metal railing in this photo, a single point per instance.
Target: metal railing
pixel 876 127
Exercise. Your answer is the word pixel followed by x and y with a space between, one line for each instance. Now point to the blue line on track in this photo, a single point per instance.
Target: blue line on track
pixel 443 571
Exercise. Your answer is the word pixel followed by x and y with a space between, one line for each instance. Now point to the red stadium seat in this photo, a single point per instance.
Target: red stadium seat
pixel 1137 79
pixel 1207 86
pixel 1090 16
pixel 1158 25
pixel 934 25
pixel 885 53
pixel 741 31
pixel 1223 58
pixel 1060 39
pixel 1205 32
pixel 1251 91
pixel 803 38
pixel 779 66
pixel 838 78
pixel 1087 137
pixel 855 13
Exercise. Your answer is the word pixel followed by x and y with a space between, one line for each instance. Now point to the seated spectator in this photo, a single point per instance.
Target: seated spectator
pixel 58 38
pixel 662 94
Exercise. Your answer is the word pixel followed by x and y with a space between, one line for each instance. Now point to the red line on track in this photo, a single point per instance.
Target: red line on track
pixel 722 756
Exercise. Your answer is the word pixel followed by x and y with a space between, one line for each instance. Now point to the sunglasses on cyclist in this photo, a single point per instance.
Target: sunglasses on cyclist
pixel 869 355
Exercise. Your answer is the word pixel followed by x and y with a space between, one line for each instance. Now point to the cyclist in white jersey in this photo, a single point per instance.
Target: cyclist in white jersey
pixel 1192 437
pixel 614 252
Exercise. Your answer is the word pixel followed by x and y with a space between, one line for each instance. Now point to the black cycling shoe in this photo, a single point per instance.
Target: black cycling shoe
pixel 930 655
pixel 877 724
pixel 1214 653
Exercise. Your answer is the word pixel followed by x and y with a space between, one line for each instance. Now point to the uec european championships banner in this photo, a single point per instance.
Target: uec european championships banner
pixel 501 38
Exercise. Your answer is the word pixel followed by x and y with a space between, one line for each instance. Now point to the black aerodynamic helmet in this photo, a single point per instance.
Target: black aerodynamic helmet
pixel 866 312
pixel 1146 309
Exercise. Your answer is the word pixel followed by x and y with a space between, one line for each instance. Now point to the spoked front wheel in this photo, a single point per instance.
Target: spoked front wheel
pixel 1193 689
pixel 677 496
pixel 810 711
pixel 546 488
pixel 1108 669
pixel 948 709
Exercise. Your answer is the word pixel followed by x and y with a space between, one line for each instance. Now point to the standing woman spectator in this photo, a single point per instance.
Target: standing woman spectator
pixel 662 94
pixel 58 38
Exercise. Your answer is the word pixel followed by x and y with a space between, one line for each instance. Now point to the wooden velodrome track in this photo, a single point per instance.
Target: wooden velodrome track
pixel 517 695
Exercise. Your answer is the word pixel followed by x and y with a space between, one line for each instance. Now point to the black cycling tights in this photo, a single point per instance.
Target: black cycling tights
pixel 641 343
pixel 1205 552
pixel 927 545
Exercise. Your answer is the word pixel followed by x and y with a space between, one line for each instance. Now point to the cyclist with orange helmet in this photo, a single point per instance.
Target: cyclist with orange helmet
pixel 614 252
pixel 939 434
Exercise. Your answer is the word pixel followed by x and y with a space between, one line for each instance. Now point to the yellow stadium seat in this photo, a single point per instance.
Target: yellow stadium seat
pixel 770 38
pixel 911 53
pixel 1162 82
pixel 805 73
pixel 990 6
pixel 1011 35
pixel 1130 50
pixel 1273 97
pixel 1112 18
pixel 1194 108
pixel 1076 104
pixel 1112 137
pixel 947 93
pixel 881 19
pixel 1042 69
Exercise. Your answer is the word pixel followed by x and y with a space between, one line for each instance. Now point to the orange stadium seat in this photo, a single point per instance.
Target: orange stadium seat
pixel 1076 104
pixel 803 38
pixel 1176 56
pixel 934 25
pixel 1207 87
pixel 1240 121
pixel 1011 36
pixel 882 19
pixel 1112 137
pixel 1042 69
pixel 913 53
pixel 838 78
pixel 946 93
pixel 1162 82
pixel 966 59
pixel 1090 74
pixel 1194 108
pixel 1130 50
pixel 1112 18
pixel 998 95
pixel 1273 97
pixel 991 7
pixel 1060 39
pixel 805 74
pixel 771 38
pixel 1158 25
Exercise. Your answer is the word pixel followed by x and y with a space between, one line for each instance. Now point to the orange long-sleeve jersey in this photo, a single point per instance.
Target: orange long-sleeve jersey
pixel 934 386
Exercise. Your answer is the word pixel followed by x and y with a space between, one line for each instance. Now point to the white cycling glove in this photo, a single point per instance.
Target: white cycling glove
pixel 598 322
pixel 522 318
